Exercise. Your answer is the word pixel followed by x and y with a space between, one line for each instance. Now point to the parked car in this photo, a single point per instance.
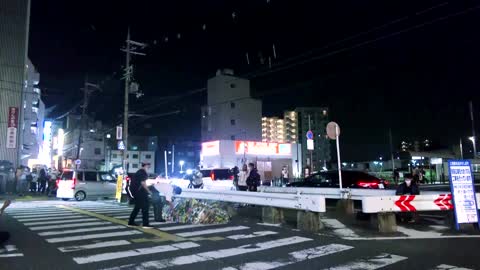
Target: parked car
pixel 350 179
pixel 81 184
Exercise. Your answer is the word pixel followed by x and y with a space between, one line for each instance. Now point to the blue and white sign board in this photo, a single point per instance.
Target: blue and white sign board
pixel 120 145
pixel 463 192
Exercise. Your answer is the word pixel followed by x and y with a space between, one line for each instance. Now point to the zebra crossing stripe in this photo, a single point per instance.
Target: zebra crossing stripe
pixel 94 246
pixel 128 216
pixel 48 218
pixel 11 255
pixel 91 236
pixel 252 235
pixel 212 231
pixel 8 248
pixel 43 215
pixel 215 254
pixel 181 227
pixel 449 267
pixel 33 212
pixel 134 252
pixel 79 219
pixel 54 227
pixel 376 262
pixel 106 228
pixel 338 228
pixel 293 257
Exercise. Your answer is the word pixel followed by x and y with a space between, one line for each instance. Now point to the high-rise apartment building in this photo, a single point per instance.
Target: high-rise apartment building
pixel 273 129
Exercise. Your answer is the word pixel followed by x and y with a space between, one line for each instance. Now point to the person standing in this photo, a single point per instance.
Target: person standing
pixel 42 180
pixel 140 193
pixel 253 179
pixel 235 172
pixel 408 187
pixel 242 178
pixel 285 179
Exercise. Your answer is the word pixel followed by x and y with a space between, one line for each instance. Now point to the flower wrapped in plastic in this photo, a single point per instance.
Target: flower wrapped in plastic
pixel 196 212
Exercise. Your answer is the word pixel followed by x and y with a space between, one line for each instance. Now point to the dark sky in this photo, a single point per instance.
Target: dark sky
pixel 415 72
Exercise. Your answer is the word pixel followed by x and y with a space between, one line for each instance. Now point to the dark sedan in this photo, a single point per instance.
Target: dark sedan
pixel 350 179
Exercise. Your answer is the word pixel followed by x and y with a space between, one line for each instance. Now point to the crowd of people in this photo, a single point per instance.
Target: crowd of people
pixel 24 180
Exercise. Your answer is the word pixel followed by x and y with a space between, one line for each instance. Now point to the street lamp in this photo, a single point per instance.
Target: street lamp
pixel 474 146
pixel 181 165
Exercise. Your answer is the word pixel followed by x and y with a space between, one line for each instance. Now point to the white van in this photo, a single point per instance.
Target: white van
pixel 81 184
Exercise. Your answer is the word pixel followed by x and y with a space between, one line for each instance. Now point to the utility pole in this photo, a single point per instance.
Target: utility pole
pixel 131 46
pixel 391 152
pixel 311 151
pixel 474 141
pixel 87 91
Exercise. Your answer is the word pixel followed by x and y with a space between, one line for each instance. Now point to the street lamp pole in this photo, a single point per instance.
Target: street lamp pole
pixel 473 131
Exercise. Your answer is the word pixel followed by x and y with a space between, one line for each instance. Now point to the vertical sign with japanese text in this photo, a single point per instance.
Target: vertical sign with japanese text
pixel 12 127
pixel 463 192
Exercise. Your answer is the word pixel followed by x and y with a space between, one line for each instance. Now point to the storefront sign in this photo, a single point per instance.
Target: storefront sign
pixel 262 148
pixel 12 127
pixel 211 148
pixel 463 192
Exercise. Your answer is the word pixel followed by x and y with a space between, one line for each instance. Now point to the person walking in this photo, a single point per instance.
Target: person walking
pixel 242 178
pixel 140 193
pixel 42 180
pixel 253 179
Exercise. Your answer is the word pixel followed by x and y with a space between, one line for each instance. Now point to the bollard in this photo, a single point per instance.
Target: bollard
pixel 384 222
pixel 309 221
pixel 345 210
pixel 272 215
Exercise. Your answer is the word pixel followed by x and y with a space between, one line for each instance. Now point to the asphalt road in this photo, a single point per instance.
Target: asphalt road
pixel 93 235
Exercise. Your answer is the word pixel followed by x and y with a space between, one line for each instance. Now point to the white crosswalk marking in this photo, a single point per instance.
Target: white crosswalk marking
pixel 59 221
pixel 53 227
pixel 8 255
pixel 42 215
pixel 215 254
pixel 49 218
pixel 106 228
pixel 134 252
pixel 212 231
pixel 449 267
pixel 128 216
pixel 94 246
pixel 376 262
pixel 252 235
pixel 294 257
pixel 8 248
pixel 91 236
pixel 338 228
pixel 182 227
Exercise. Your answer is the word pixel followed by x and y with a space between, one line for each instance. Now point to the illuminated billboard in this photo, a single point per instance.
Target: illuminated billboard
pixel 263 148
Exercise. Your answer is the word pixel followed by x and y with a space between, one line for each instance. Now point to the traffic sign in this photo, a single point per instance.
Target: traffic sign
pixel 332 129
pixel 121 145
pixel 119 132
pixel 310 145
pixel 78 162
pixel 310 135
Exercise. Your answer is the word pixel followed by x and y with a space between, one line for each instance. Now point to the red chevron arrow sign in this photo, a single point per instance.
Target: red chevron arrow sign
pixel 404 203
pixel 444 201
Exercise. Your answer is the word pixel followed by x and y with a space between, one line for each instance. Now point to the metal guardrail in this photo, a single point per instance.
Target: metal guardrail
pixel 311 202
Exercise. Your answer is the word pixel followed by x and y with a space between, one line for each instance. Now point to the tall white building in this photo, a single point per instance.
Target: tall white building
pixel 273 129
pixel 231 113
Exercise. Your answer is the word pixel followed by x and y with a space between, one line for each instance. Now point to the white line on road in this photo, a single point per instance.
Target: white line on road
pixel 252 235
pixel 106 228
pixel 79 219
pixel 182 227
pixel 376 262
pixel 45 215
pixel 36 212
pixel 381 238
pixel 416 233
pixel 11 255
pixel 128 216
pixel 270 224
pixel 212 231
pixel 94 246
pixel 294 257
pixel 338 228
pixel 8 248
pixel 54 227
pixel 215 254
pixel 49 218
pixel 449 267
pixel 91 236
pixel 134 252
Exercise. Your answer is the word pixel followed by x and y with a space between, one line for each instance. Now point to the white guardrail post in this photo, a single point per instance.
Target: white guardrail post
pixel 313 203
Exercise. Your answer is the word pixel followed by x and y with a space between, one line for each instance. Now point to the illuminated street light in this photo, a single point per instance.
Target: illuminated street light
pixel 472 138
pixel 181 165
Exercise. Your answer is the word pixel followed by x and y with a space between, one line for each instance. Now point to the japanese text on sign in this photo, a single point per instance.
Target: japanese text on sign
pixel 463 192
pixel 12 127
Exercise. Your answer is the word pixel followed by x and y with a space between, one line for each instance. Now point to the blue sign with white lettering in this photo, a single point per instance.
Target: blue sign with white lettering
pixel 463 192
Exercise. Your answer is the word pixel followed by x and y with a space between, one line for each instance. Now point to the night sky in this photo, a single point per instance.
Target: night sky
pixel 407 65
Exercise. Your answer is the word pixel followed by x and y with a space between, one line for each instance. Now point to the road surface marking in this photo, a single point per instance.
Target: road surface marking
pixel 94 246
pixel 11 255
pixel 154 232
pixel 60 221
pixel 181 227
pixel 339 228
pixel 409 237
pixel 128 216
pixel 49 218
pixel 270 224
pixel 8 248
pixel 293 257
pixel 91 236
pixel 439 227
pixel 155 223
pixel 416 233
pixel 54 227
pixel 253 235
pixel 44 215
pixel 212 231
pixel 35 212
pixel 134 252
pixel 215 254
pixel 106 228
pixel 376 262
pixel 449 267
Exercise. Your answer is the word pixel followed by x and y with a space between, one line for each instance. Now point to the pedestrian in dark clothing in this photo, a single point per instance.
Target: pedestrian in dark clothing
pixel 408 187
pixel 253 180
pixel 42 180
pixel 4 236
pixel 235 172
pixel 140 192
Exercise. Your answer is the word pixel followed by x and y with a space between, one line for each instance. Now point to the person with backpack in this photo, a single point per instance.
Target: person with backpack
pixel 253 179
pixel 140 193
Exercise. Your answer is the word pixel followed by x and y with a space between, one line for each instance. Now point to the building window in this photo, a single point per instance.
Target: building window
pixel 232 122
pixel 114 155
pixel 232 137
pixel 232 105
pixel 148 156
pixel 98 151
pixel 135 156
pixel 135 166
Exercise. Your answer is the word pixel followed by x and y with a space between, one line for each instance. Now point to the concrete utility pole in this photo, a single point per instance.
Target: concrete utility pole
pixel 474 139
pixel 88 89
pixel 131 46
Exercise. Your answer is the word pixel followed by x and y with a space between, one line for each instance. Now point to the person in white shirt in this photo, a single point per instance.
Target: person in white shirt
pixel 163 191
pixel 242 178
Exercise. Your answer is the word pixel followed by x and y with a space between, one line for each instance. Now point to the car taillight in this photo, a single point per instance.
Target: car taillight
pixel 231 177
pixel 366 184
pixel 74 183
pixel 57 182
pixel 212 176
